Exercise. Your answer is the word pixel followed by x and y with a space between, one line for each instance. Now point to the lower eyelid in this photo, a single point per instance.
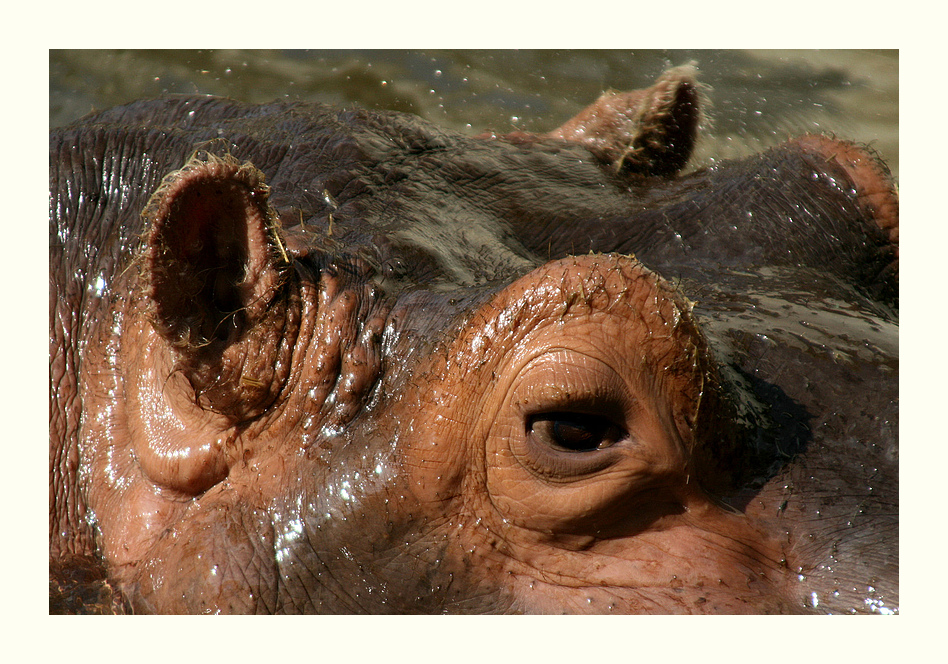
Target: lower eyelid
pixel 560 464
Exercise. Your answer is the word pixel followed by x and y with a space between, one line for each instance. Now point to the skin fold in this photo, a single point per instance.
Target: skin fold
pixel 306 359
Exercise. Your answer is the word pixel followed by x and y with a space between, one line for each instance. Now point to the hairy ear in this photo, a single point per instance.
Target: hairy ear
pixel 212 266
pixel 646 132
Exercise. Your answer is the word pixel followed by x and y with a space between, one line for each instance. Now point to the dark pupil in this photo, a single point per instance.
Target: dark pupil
pixel 576 432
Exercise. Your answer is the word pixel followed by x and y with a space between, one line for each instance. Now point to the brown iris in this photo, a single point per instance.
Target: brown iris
pixel 574 432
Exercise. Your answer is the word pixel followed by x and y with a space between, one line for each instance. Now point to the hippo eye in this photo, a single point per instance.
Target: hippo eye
pixel 574 432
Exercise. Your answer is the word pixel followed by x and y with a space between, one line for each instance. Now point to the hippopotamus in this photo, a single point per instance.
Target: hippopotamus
pixel 317 359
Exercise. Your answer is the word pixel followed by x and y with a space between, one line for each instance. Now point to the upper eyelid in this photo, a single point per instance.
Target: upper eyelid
pixel 593 405
pixel 550 393
pixel 567 359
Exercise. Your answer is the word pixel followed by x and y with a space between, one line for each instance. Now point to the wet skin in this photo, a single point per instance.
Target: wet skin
pixel 311 359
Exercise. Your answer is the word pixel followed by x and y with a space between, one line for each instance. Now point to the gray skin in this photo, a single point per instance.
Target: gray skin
pixel 294 351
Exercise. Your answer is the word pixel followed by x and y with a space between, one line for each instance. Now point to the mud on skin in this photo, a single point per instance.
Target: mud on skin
pixel 316 359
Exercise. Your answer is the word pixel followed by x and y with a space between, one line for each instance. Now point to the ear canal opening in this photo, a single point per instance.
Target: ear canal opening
pixel 209 257
pixel 210 249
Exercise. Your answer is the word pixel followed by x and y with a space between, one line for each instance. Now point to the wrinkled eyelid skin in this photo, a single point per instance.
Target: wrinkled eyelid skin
pixel 564 380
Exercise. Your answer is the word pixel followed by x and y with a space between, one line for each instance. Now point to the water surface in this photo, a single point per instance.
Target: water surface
pixel 756 98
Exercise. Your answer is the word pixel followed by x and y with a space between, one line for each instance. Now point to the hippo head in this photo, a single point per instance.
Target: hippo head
pixel 356 364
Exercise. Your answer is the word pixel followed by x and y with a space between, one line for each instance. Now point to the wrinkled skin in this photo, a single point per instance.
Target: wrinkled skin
pixel 310 359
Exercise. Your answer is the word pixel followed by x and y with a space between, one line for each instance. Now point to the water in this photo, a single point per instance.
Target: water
pixel 757 98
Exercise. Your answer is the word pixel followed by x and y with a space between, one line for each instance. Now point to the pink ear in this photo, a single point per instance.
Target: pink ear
pixel 647 132
pixel 213 266
pixel 210 258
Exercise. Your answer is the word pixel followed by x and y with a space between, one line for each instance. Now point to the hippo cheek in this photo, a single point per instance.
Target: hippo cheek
pixel 580 475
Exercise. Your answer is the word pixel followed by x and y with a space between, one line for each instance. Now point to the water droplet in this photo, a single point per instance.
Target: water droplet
pixel 98 286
